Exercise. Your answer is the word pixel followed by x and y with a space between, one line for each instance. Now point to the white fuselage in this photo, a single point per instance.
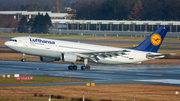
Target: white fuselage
pixel 53 48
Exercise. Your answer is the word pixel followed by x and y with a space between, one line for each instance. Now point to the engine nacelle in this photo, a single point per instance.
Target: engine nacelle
pixel 47 59
pixel 68 57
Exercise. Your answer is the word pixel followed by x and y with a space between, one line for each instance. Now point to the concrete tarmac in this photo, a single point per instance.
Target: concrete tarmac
pixel 100 74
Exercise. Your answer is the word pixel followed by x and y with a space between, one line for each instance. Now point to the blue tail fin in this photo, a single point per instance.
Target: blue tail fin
pixel 153 42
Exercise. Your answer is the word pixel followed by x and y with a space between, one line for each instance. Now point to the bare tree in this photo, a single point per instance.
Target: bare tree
pixel 136 10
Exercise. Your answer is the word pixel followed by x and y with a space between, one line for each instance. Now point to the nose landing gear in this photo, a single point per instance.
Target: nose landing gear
pixel 85 67
pixel 23 59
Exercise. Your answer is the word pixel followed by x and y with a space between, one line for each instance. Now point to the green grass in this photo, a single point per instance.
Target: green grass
pixel 36 79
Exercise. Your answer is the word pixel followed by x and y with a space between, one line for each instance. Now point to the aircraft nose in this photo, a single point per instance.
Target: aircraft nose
pixel 6 43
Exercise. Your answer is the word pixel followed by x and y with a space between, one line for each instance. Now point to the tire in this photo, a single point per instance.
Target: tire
pixel 74 67
pixel 87 67
pixel 70 67
pixel 23 60
pixel 83 67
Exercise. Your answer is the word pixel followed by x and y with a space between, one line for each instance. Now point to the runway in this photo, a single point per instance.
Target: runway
pixel 100 74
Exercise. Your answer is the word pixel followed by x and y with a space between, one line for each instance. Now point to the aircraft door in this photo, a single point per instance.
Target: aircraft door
pixel 47 46
pixel 25 42
pixel 131 56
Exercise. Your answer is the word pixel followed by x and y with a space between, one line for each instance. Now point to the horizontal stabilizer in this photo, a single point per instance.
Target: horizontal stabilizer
pixel 149 55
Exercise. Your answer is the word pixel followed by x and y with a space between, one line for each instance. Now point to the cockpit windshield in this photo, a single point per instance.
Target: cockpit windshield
pixel 14 40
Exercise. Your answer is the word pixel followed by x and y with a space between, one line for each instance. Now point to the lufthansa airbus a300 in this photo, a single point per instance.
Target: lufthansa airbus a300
pixel 51 50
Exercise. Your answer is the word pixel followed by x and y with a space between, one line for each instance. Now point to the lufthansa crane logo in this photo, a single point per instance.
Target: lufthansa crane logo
pixel 156 39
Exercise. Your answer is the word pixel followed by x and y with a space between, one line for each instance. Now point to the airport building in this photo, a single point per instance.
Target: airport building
pixel 31 14
pixel 116 25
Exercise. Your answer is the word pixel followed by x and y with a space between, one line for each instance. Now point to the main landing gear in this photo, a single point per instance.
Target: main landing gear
pixel 72 67
pixel 87 67
pixel 23 59
pixel 84 67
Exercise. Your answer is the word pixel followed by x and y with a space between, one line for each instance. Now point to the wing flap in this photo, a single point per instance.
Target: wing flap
pixel 105 52
pixel 96 55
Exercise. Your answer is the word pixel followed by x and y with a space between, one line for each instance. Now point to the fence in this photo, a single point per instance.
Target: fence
pixel 97 33
pixel 7 30
pixel 109 33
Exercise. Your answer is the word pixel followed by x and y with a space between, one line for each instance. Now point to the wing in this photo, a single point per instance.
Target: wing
pixel 95 55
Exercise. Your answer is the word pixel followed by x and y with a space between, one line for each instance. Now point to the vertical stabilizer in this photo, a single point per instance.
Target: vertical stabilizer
pixel 153 42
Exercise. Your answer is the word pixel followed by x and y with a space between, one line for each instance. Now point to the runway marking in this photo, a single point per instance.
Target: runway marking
pixel 148 74
pixel 169 81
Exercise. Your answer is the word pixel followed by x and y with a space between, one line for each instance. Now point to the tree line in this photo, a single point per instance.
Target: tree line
pixel 40 24
pixel 33 5
pixel 127 9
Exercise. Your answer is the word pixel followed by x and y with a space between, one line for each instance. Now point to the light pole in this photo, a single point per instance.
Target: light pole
pixel 50 97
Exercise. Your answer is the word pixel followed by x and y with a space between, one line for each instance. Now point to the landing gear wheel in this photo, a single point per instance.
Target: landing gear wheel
pixel 72 67
pixel 85 67
pixel 23 60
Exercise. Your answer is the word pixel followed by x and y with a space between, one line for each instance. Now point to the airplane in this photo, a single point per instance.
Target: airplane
pixel 51 50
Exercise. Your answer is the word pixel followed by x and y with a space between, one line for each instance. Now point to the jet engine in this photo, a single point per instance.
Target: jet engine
pixel 68 57
pixel 47 59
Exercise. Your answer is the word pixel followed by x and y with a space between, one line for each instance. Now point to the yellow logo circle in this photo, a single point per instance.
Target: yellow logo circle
pixel 156 39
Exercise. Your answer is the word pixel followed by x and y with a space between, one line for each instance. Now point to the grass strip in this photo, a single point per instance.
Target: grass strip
pixel 114 92
pixel 36 79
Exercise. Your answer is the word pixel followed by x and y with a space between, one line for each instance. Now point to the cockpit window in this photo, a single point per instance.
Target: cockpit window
pixel 14 40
